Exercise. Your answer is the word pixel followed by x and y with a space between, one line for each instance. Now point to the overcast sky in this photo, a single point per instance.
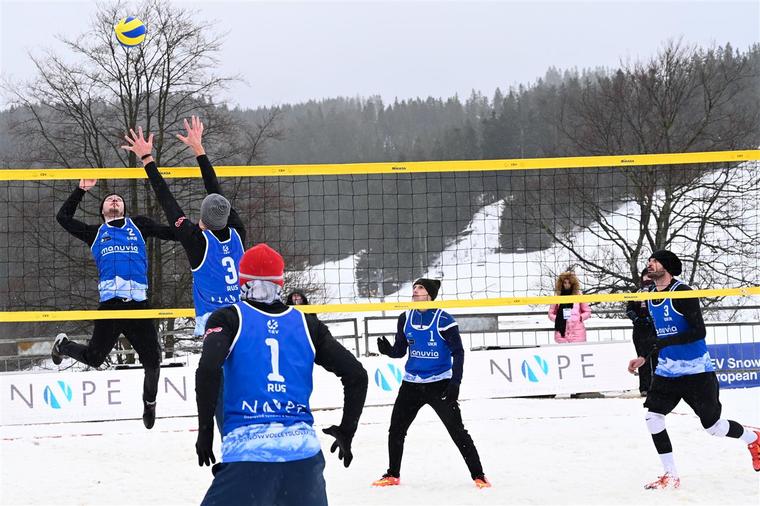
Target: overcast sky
pixel 295 51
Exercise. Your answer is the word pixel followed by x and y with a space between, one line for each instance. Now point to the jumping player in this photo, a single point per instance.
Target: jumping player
pixel 118 247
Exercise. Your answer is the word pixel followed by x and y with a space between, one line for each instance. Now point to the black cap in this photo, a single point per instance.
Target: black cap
pixel 669 261
pixel 431 285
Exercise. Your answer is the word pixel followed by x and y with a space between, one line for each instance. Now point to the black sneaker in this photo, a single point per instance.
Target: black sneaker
pixel 149 414
pixel 55 352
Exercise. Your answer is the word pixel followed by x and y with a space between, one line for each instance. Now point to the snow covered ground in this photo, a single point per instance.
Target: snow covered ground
pixel 534 451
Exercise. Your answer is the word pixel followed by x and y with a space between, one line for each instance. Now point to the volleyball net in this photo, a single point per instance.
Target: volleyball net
pixel 356 236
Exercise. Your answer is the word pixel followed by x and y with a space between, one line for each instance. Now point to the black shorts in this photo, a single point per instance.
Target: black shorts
pixel 700 391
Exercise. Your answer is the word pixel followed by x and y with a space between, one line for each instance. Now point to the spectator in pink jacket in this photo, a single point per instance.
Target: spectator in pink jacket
pixel 568 318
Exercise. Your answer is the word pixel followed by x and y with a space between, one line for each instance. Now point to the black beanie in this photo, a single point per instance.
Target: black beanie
pixel 431 285
pixel 669 261
pixel 103 201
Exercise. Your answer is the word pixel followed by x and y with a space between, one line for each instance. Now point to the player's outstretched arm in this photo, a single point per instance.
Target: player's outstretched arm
pixel 194 140
pixel 65 215
pixel 143 149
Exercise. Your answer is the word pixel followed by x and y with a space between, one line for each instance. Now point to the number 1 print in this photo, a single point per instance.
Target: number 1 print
pixel 275 348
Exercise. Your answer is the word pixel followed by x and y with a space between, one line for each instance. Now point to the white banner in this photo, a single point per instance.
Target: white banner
pixel 117 394
pixel 520 372
pixel 92 395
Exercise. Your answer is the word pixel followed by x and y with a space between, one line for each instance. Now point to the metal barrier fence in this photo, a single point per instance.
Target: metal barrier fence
pixel 478 330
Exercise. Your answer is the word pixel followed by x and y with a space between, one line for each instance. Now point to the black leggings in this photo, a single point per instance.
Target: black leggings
pixel 411 398
pixel 140 333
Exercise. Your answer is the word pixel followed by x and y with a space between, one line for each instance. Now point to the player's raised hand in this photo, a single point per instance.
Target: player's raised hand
pixel 138 144
pixel 87 184
pixel 194 135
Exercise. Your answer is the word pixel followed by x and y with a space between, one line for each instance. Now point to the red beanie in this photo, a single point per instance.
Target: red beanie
pixel 261 262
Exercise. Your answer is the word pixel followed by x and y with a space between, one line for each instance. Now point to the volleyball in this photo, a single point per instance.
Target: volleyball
pixel 130 31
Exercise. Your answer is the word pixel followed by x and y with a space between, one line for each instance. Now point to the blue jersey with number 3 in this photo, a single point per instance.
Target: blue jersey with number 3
pixel 267 385
pixel 215 280
pixel 679 359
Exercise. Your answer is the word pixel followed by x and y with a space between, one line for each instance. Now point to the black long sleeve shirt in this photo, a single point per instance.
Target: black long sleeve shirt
pixel 450 335
pixel 87 233
pixel 189 233
pixel 329 354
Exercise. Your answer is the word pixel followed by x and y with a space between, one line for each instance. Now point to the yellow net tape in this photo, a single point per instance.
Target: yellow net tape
pixel 26 316
pixel 388 167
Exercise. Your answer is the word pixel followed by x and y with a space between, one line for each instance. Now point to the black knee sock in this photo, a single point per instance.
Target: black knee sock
pixel 735 430
pixel 662 442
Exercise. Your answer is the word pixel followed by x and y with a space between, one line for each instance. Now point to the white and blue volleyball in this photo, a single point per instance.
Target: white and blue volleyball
pixel 130 31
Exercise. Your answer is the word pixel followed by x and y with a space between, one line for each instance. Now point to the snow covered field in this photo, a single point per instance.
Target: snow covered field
pixel 534 451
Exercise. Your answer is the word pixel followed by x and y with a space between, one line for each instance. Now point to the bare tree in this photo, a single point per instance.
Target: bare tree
pixel 77 110
pixel 682 100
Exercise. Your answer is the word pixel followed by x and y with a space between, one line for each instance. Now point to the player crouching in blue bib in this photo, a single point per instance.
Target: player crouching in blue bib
pixel 270 451
pixel 433 374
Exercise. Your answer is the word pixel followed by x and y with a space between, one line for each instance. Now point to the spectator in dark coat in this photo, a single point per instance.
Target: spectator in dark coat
pixel 643 333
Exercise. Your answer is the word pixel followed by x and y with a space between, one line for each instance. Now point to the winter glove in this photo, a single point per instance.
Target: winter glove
pixel 632 315
pixel 451 394
pixel 203 447
pixel 342 443
pixel 384 346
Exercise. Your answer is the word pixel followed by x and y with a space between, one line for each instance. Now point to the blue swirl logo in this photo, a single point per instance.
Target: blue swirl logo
pixel 388 378
pixel 530 371
pixel 57 394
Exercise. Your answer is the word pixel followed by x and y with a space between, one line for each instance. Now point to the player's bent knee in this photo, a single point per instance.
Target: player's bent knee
pixel 655 422
pixel 719 428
